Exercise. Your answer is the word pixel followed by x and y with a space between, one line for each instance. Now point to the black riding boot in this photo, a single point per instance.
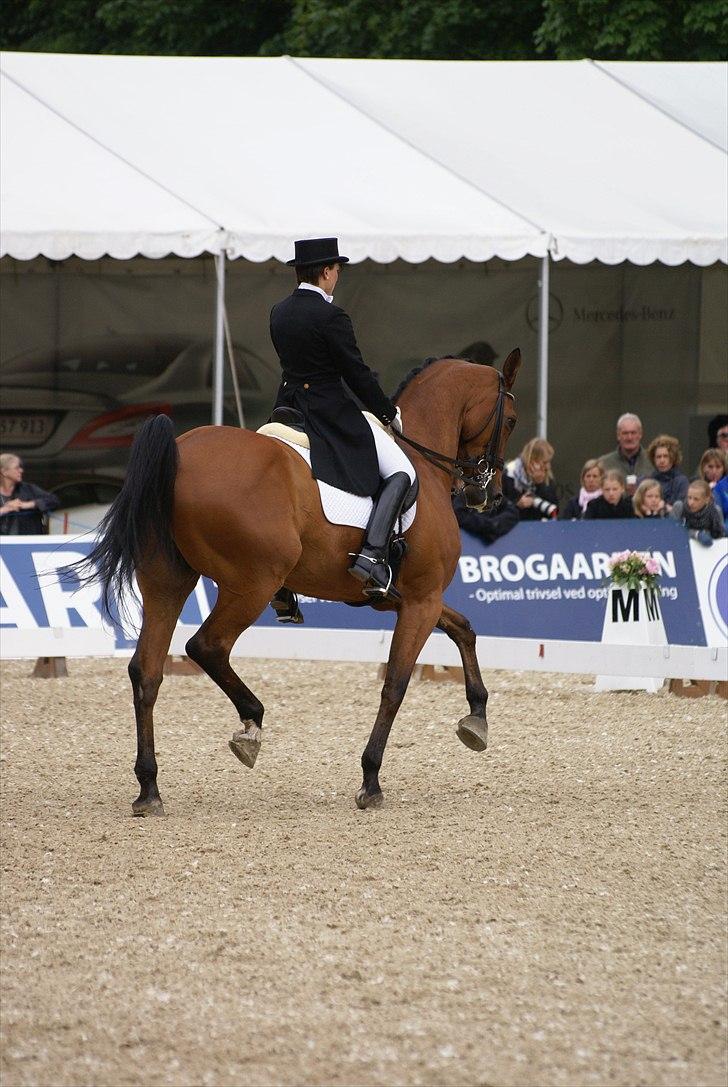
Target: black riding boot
pixel 370 565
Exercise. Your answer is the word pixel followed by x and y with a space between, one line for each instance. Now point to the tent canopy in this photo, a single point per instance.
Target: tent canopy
pixel 400 159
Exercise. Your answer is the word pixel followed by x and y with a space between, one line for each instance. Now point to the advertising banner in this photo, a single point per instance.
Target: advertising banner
pixel 549 579
pixel 541 582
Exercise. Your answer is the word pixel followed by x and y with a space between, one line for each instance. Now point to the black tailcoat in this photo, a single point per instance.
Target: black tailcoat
pixel 316 345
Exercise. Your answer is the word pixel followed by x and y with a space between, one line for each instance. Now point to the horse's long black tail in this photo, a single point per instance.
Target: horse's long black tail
pixel 139 520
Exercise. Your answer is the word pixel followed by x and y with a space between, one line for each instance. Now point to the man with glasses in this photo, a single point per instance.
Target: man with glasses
pixel 629 457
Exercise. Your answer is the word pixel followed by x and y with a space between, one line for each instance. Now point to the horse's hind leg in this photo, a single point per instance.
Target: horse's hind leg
pixel 211 646
pixel 471 730
pixel 163 594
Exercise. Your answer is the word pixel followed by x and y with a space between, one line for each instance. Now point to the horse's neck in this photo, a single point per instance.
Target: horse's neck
pixel 427 422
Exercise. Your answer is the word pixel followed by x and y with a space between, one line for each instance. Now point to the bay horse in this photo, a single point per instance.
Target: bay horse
pixel 243 509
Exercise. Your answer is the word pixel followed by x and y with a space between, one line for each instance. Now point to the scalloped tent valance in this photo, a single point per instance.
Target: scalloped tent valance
pixel 400 159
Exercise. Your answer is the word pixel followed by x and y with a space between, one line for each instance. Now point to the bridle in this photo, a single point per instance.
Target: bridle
pixel 473 471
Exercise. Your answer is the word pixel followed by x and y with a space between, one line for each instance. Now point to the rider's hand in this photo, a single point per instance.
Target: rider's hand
pixel 396 424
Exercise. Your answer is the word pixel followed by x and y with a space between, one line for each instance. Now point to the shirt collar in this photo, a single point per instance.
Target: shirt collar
pixel 312 287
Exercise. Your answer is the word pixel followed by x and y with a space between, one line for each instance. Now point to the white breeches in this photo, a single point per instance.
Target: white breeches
pixel 390 456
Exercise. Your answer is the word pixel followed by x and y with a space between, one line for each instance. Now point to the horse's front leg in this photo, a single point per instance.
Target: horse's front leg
pixel 471 730
pixel 415 623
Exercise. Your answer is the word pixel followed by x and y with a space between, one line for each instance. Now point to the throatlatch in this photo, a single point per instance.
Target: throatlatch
pixel 371 565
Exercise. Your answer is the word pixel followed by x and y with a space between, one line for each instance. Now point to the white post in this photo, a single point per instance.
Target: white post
pixel 543 350
pixel 218 370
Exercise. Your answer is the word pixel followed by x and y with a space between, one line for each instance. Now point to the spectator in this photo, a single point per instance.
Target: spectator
pixel 629 457
pixel 718 433
pixel 592 475
pixel 528 483
pixel 22 505
pixel 648 500
pixel 613 502
pixel 489 525
pixel 480 352
pixel 699 514
pixel 666 455
pixel 714 470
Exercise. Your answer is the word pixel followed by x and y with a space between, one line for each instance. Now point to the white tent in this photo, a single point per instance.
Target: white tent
pixel 401 159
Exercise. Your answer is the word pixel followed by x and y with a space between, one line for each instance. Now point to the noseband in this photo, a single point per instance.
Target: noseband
pixel 472 471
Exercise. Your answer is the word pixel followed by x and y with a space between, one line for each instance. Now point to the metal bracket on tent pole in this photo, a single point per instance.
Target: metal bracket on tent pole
pixel 218 370
pixel 543 349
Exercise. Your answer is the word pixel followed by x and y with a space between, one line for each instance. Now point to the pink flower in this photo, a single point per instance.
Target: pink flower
pixel 652 566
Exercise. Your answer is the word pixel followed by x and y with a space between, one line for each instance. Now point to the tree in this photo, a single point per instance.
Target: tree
pixel 430 29
pixel 634 29
pixel 425 29
pixel 181 28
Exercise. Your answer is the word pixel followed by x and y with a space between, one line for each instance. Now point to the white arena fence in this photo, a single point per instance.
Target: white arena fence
pixel 536 600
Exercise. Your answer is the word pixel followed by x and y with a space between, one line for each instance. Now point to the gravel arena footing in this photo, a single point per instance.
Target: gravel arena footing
pixel 551 911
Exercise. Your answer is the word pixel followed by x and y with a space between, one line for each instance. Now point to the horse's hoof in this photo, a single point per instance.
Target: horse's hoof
pixel 473 732
pixel 148 807
pixel 245 744
pixel 369 800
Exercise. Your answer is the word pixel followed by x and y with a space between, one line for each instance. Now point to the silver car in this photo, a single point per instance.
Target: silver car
pixel 76 412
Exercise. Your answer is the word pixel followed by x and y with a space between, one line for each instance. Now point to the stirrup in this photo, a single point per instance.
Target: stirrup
pixel 285 605
pixel 373 588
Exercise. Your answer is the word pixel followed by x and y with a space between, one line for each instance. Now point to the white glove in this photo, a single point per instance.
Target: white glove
pixel 396 424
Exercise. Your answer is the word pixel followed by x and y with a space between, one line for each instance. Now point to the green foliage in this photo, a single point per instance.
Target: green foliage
pixel 435 29
pixel 423 29
pixel 155 27
pixel 634 29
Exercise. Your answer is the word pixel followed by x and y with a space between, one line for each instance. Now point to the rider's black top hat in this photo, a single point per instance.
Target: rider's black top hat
pixel 317 251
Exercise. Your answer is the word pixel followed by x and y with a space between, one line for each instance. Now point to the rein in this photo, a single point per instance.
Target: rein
pixel 485 466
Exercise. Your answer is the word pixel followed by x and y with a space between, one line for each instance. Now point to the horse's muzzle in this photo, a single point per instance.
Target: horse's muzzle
pixel 477 498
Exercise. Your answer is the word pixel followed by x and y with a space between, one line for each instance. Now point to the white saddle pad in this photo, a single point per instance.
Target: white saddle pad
pixel 340 507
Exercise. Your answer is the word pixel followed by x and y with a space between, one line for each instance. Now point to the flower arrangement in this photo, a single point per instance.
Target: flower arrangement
pixel 634 570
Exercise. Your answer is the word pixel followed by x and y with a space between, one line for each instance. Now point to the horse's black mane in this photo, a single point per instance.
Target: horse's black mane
pixel 418 370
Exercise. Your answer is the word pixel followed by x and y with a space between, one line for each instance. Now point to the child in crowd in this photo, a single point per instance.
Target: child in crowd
pixel 528 482
pixel 714 470
pixel 699 514
pixel 613 501
pixel 665 453
pixel 648 500
pixel 592 475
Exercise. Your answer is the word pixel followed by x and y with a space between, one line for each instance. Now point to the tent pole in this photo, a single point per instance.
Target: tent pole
pixel 543 350
pixel 218 372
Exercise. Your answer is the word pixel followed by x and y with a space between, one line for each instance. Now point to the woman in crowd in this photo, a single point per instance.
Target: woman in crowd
pixel 613 502
pixel 22 505
pixel 648 500
pixel 665 453
pixel 714 471
pixel 698 513
pixel 592 475
pixel 528 483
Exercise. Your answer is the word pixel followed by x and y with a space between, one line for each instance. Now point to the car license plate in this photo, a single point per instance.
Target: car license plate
pixel 24 431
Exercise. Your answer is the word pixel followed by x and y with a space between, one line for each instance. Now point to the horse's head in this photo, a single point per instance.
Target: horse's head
pixel 487 424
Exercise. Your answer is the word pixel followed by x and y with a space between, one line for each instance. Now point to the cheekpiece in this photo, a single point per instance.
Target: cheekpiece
pixel 311 251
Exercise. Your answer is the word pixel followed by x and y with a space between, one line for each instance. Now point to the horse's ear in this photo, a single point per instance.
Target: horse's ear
pixel 511 367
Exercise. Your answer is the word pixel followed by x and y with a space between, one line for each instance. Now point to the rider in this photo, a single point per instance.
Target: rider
pixel 317 348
